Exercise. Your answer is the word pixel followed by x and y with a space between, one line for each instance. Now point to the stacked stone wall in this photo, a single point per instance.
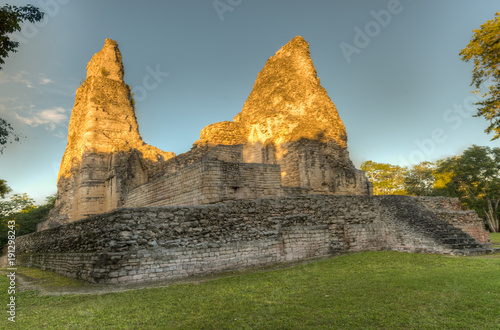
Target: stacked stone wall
pixel 150 243
pixel 450 211
pixel 184 187
pixel 467 221
pixel 206 181
pixel 227 153
pixel 439 203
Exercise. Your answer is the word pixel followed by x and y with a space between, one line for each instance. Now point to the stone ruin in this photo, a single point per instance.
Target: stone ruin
pixel 274 185
pixel 287 140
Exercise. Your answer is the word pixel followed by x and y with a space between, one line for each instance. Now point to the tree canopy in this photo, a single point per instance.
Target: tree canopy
pixel 473 177
pixel 10 19
pixel 6 134
pixel 22 209
pixel 387 179
pixel 4 188
pixel 484 49
pixel 420 179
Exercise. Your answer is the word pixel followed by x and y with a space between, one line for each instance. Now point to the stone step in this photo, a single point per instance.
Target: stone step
pixel 417 218
pixel 455 240
pixel 473 251
pixel 465 246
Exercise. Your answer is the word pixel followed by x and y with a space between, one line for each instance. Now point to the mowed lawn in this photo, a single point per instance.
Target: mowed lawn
pixel 369 290
pixel 495 239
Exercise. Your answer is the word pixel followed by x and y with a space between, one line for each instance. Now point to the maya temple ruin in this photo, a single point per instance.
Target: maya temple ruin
pixel 273 185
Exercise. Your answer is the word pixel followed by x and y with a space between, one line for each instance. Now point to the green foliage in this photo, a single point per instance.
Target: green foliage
pixel 369 290
pixel 4 188
pixel 51 200
pixel 132 100
pixel 104 72
pixel 16 203
pixel 10 19
pixel 484 49
pixel 22 209
pixel 7 134
pixel 474 177
pixel 387 179
pixel 495 239
pixel 419 180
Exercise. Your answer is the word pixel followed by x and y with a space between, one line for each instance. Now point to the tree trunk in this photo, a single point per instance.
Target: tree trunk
pixel 492 217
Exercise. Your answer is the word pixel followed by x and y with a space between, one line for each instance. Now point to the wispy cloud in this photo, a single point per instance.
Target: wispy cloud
pixel 61 135
pixel 7 104
pixel 45 81
pixel 22 77
pixel 8 99
pixel 19 77
pixel 49 118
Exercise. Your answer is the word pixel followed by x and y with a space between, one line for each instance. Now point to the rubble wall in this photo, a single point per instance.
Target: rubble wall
pixel 206 181
pixel 142 244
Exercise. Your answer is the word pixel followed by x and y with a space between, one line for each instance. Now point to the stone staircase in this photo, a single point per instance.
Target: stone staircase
pixel 414 217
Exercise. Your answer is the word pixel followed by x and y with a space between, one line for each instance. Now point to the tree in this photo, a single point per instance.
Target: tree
pixel 387 179
pixel 17 203
pixel 25 213
pixel 6 134
pixel 419 180
pixel 10 19
pixel 443 175
pixel 484 49
pixel 4 188
pixel 474 177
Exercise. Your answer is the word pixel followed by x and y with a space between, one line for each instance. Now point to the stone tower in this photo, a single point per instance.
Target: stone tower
pixel 105 155
pixel 289 119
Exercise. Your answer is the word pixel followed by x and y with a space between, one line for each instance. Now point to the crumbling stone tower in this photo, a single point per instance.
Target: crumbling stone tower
pixel 288 119
pixel 105 155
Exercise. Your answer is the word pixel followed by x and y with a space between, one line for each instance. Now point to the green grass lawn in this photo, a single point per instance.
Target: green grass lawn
pixel 495 239
pixel 377 290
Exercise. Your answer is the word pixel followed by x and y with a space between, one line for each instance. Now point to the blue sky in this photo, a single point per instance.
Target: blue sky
pixel 399 85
